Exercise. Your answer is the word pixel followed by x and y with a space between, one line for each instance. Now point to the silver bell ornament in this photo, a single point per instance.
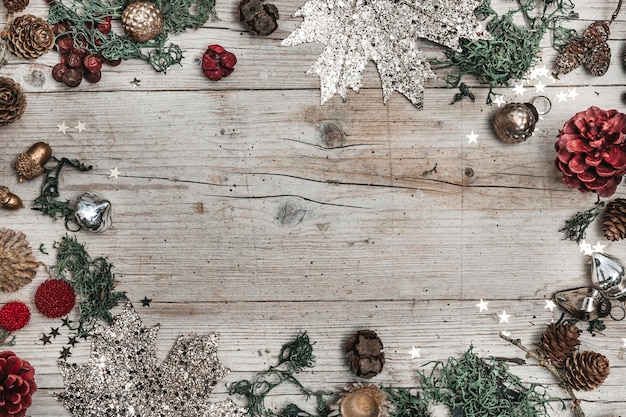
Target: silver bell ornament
pixel 584 303
pixel 93 213
pixel 608 273
pixel 515 122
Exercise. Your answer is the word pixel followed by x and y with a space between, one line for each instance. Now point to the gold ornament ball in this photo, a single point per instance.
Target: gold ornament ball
pixel 142 21
pixel 515 122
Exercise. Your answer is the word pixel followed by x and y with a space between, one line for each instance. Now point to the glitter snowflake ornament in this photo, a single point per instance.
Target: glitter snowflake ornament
pixel 124 378
pixel 385 31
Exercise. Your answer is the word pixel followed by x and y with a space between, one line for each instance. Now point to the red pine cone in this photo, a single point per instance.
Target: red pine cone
pixel 591 151
pixel 14 315
pixel 217 62
pixel 17 385
pixel 55 298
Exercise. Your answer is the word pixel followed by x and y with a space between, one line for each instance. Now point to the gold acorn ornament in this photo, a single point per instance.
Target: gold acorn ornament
pixel 8 200
pixel 28 36
pixel 142 21
pixel 30 164
pixel 362 400
pixel 12 101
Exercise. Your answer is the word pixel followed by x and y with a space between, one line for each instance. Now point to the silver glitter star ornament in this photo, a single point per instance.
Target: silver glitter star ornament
pixel 123 376
pixel 385 31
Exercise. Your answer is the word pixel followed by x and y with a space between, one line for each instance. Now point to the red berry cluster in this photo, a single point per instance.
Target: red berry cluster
pixel 217 62
pixel 55 298
pixel 76 61
pixel 14 315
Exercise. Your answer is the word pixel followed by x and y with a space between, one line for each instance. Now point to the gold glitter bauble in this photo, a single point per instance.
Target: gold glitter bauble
pixel 142 21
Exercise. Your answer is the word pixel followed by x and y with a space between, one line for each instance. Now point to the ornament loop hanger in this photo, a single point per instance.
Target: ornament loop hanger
pixel 543 106
pixel 613 308
pixel 70 221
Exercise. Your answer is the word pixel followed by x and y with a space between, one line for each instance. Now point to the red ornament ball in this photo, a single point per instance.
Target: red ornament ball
pixel 591 151
pixel 55 298
pixel 14 315
pixel 217 62
pixel 17 384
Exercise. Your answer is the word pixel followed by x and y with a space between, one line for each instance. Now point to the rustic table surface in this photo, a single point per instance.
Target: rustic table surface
pixel 246 208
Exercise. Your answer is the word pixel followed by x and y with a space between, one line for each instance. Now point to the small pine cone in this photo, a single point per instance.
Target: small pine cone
pixel 586 371
pixel 12 101
pixel 14 6
pixel 596 33
pixel 18 265
pixel 365 354
pixel 29 37
pixel 614 220
pixel 558 342
pixel 599 59
pixel 570 57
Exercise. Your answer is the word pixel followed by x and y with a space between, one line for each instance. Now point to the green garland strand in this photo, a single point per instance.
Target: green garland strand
pixel 84 15
pixel 513 49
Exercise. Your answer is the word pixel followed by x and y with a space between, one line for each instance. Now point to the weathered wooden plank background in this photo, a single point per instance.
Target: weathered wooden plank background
pixel 246 208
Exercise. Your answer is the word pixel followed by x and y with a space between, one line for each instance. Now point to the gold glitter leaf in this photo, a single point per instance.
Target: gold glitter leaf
pixel 124 378
pixel 385 31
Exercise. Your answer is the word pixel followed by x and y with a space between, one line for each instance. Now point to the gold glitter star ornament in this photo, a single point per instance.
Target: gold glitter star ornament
pixel 385 31
pixel 123 376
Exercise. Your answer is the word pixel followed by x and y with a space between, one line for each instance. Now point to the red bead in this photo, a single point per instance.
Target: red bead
pixel 92 63
pixel 104 27
pixel 217 62
pixel 74 61
pixel 92 77
pixel 58 70
pixel 14 315
pixel 64 44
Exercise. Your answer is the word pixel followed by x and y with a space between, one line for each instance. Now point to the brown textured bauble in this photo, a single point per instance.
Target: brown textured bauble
pixel 14 6
pixel 365 354
pixel 559 342
pixel 29 36
pixel 614 220
pixel 12 101
pixel 142 21
pixel 586 371
pixel 18 265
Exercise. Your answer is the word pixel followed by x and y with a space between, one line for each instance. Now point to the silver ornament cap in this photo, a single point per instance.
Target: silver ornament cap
pixel 584 303
pixel 93 213
pixel 608 273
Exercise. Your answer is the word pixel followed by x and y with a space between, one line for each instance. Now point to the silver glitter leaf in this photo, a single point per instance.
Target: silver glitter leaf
pixel 123 376
pixel 385 31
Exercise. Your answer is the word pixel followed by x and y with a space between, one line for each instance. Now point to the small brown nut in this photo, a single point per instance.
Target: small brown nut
pixel 365 354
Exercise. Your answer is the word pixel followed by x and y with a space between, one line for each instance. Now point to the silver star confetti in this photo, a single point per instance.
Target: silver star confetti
pixel 124 378
pixel 385 31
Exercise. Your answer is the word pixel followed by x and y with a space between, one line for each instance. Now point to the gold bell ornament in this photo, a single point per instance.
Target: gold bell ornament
pixel 515 122
pixel 30 164
pixel 142 21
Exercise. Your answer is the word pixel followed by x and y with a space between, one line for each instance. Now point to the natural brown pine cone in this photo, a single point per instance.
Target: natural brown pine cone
pixel 12 101
pixel 570 57
pixel 598 59
pixel 586 371
pixel 29 36
pixel 18 265
pixel 614 220
pixel 596 33
pixel 365 354
pixel 259 17
pixel 558 342
pixel 14 6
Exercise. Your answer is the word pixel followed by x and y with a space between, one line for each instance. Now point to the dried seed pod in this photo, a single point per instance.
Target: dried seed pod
pixel 365 354
pixel 598 59
pixel 362 400
pixel 259 17
pixel 30 164
pixel 570 57
pixel 8 200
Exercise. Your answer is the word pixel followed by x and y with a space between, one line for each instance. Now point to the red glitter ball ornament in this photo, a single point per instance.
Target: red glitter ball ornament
pixel 217 62
pixel 55 298
pixel 17 385
pixel 14 315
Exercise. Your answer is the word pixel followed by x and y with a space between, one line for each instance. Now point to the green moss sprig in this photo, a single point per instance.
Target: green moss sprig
pixel 294 357
pixel 576 227
pixel 405 404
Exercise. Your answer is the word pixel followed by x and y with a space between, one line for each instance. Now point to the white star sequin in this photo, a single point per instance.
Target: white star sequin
pixel 543 71
pixel 598 248
pixel 80 126
pixel 482 305
pixel 572 93
pixel 539 87
pixel 504 318
pixel 114 173
pixel 519 89
pixel 624 340
pixel 415 352
pixel 62 127
pixel 472 137
pixel 550 305
pixel 507 334
pixel 562 96
pixel 586 248
pixel 499 100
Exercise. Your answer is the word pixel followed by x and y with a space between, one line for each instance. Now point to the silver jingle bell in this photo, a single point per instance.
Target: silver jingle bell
pixel 93 213
pixel 584 303
pixel 607 273
pixel 515 122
